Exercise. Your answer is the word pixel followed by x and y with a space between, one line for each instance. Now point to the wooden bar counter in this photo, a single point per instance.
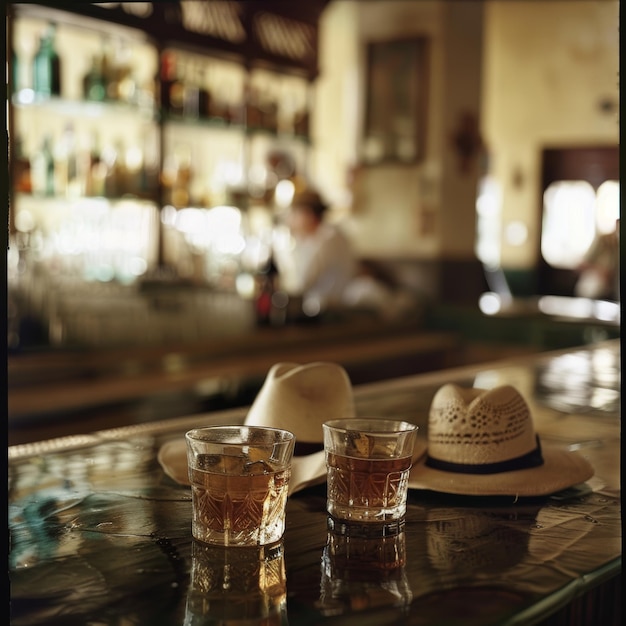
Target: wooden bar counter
pixel 68 391
pixel 99 534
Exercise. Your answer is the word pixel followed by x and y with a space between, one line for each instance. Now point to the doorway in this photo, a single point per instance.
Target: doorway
pixel 593 165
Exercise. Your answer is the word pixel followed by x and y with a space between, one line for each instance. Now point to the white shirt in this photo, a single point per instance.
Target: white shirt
pixel 324 266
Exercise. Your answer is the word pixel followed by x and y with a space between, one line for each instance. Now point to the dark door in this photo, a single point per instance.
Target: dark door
pixel 594 164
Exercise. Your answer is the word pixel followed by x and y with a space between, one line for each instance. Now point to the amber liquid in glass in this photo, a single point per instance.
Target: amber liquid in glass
pixel 244 509
pixel 367 490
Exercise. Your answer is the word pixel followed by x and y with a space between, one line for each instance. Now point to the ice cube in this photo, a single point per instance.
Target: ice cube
pixel 382 450
pixel 257 454
pixel 257 468
pixel 208 462
pixel 359 444
pixel 232 465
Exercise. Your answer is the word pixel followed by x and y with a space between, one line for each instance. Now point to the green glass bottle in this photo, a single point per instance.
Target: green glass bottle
pixel 47 66
pixel 42 167
pixel 93 81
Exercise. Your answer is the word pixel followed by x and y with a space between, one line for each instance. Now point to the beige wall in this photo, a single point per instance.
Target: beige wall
pixel 548 66
pixel 421 210
pixel 534 71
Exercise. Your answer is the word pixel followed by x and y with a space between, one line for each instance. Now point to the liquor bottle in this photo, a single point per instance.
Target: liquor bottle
pixel 97 170
pixel 47 66
pixel 73 186
pixel 150 170
pixel 60 168
pixel 109 70
pixel 204 95
pixel 269 112
pixel 115 180
pixel 126 83
pixel 267 285
pixel 93 81
pixel 172 86
pixel 83 166
pixel 21 168
pixel 182 178
pixel 253 111
pixel 42 169
pixel 65 180
pixel 191 94
pixel 177 90
pixel 110 160
pixel 48 158
pixel 168 67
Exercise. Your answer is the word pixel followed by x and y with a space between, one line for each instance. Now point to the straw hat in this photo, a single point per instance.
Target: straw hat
pixel 298 398
pixel 484 443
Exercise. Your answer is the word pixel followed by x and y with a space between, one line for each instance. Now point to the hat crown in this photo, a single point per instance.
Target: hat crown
pixel 483 443
pixel 300 398
pixel 474 426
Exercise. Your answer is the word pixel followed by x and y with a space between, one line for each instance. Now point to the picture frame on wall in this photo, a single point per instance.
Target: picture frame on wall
pixel 395 101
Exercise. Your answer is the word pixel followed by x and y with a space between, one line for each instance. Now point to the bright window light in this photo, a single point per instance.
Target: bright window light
pixel 569 222
pixel 488 221
pixel 607 211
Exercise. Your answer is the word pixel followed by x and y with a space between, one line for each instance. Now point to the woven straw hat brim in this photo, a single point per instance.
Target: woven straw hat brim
pixel 561 469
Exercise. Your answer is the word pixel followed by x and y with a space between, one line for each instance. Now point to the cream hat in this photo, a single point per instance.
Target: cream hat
pixel 298 398
pixel 483 443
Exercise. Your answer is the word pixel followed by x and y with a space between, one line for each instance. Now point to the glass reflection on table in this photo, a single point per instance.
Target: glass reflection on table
pixel 363 570
pixel 237 585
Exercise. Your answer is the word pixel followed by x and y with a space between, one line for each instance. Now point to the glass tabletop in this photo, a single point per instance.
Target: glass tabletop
pixel 100 534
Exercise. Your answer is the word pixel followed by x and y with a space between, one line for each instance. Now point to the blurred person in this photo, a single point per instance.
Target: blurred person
pixel 322 260
pixel 599 271
pixel 324 269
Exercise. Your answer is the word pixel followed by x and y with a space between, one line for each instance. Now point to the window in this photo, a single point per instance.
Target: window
pixel 607 206
pixel 488 222
pixel 574 214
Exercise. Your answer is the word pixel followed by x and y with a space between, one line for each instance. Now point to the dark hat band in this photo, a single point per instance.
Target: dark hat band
pixel 304 448
pixel 533 458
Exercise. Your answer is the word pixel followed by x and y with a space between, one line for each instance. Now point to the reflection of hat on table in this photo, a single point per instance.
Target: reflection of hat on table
pixel 463 542
pixel 483 443
pixel 298 398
